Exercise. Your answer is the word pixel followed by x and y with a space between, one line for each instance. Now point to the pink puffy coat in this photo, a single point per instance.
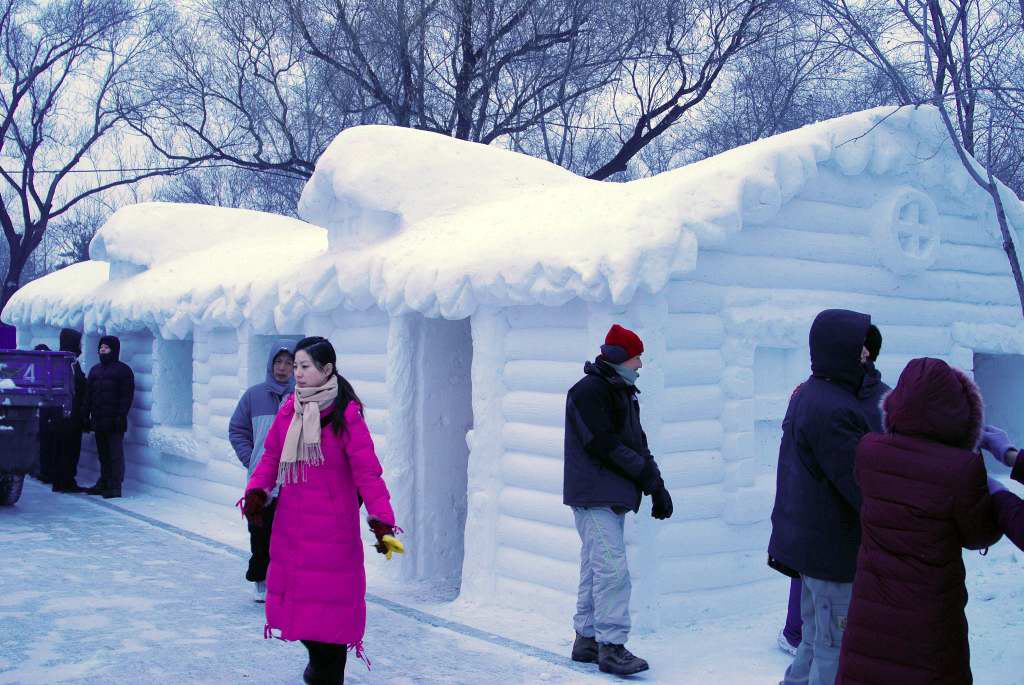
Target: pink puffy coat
pixel 316 584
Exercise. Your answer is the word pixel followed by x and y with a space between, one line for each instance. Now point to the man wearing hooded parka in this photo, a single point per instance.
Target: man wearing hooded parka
pixel 111 392
pixel 924 499
pixel 247 431
pixel 815 520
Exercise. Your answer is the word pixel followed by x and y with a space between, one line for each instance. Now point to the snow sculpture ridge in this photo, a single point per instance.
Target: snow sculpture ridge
pixel 415 221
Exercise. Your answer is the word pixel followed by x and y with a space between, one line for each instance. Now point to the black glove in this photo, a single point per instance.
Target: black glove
pixel 380 529
pixel 650 477
pixel 252 506
pixel 661 504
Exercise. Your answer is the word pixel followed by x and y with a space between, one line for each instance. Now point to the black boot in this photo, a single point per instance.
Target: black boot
pixel 68 486
pixel 111 493
pixel 618 660
pixel 584 649
pixel 98 489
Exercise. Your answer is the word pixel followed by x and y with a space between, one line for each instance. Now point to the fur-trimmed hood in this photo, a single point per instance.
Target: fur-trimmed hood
pixel 936 402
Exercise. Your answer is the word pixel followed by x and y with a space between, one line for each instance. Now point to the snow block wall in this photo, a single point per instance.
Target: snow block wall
pixel 521 542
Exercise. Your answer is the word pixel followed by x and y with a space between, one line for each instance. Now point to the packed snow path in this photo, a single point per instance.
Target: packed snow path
pixel 92 594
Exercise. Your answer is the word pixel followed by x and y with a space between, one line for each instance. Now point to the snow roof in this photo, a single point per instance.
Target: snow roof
pixel 421 222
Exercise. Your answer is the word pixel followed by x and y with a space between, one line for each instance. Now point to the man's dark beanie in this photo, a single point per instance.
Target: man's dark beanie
pixel 873 342
pixel 621 344
pixel 70 341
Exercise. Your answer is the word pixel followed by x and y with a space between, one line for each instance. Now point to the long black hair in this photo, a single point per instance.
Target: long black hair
pixel 321 351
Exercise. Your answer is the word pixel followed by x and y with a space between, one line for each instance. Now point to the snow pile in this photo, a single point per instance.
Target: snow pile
pixel 421 222
pixel 188 264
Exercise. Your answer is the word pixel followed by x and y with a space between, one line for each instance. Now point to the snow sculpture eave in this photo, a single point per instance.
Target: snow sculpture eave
pixel 419 222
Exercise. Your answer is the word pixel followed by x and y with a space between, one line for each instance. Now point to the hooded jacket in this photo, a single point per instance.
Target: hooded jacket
pixel 815 521
pixel 605 445
pixel 255 412
pixel 71 341
pixel 924 499
pixel 871 392
pixel 111 390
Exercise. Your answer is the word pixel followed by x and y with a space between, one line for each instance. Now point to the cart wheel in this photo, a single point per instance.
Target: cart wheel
pixel 10 488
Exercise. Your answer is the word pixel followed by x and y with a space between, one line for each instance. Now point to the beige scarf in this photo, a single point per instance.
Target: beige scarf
pixel 302 442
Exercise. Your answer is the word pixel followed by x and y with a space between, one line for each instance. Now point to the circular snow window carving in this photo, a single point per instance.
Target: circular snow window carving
pixel 906 231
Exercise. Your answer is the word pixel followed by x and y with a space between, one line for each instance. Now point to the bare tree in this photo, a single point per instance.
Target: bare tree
pixel 477 70
pixel 71 69
pixel 962 56
pixel 238 88
pixel 684 50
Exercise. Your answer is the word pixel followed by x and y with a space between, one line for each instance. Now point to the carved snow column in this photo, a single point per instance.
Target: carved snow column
pixel 485 455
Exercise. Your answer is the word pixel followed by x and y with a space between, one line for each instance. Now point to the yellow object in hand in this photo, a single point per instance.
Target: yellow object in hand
pixel 392 545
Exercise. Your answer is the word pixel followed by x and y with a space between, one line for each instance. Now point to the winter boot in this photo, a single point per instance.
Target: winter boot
pixel 618 660
pixel 111 493
pixel 259 591
pixel 98 489
pixel 584 649
pixel 68 486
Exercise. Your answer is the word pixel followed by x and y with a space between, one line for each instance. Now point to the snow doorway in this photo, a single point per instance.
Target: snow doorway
pixel 443 414
pixel 1000 377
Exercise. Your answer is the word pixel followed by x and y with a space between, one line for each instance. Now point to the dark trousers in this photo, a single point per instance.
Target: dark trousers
pixel 259 545
pixel 69 436
pixel 326 663
pixel 49 443
pixel 110 447
pixel 794 623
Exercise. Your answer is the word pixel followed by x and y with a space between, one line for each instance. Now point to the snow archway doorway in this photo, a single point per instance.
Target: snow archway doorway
pixel 1001 378
pixel 442 413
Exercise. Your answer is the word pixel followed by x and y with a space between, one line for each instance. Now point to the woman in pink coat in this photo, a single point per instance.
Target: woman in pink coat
pixel 320 450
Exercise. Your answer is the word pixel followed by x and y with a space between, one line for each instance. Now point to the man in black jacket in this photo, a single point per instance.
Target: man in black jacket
pixel 69 428
pixel 607 467
pixel 816 519
pixel 111 391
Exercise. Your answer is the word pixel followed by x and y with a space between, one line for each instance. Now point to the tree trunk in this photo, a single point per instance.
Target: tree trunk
pixel 1008 246
pixel 19 257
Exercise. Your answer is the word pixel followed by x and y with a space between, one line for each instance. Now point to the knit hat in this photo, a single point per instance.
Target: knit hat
pixel 873 342
pixel 70 341
pixel 621 344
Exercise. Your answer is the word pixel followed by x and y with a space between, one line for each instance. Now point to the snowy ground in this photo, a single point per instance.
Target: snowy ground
pixel 150 589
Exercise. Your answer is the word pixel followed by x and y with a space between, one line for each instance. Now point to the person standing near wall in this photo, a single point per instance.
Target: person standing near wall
pixel 48 443
pixel 319 449
pixel 608 467
pixel 924 498
pixel 69 428
pixel 871 392
pixel 247 432
pixel 111 390
pixel 815 520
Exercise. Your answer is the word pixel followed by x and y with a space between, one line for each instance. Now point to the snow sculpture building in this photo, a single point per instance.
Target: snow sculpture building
pixel 464 286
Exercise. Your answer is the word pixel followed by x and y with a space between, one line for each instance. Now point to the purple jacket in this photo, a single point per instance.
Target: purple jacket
pixel 316 584
pixel 1010 508
pixel 925 498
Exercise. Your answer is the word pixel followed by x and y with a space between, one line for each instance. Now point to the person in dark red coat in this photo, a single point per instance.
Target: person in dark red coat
pixel 924 498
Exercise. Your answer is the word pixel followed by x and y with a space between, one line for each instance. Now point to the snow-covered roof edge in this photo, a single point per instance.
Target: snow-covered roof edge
pixel 429 224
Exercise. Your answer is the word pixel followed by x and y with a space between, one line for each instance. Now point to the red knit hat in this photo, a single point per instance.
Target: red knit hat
pixel 624 339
